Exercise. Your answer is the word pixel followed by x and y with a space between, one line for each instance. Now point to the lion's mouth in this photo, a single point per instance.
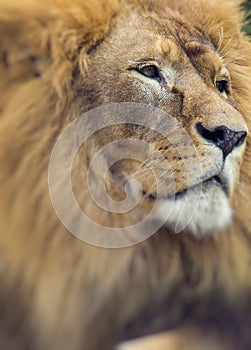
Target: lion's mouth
pixel 218 180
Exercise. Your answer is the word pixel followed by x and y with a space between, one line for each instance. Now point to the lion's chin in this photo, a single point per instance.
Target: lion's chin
pixel 201 210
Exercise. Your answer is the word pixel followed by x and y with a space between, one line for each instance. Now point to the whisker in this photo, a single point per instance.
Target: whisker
pixel 232 48
pixel 221 38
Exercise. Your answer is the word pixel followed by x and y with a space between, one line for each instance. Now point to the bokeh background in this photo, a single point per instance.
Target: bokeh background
pixel 248 9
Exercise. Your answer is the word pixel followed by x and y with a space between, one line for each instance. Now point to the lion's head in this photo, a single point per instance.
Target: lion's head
pixel 166 62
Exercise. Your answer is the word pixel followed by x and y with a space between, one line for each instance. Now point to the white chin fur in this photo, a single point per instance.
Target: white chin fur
pixel 201 211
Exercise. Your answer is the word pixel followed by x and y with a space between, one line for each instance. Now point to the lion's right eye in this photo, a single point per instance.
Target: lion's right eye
pixel 150 71
pixel 222 86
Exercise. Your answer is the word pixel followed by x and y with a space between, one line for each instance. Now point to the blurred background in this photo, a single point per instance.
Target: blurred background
pixel 248 9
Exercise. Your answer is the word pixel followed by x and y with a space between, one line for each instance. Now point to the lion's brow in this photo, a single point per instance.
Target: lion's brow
pixel 197 48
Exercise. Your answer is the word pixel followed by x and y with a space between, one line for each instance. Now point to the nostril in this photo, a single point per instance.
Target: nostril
pixel 205 133
pixel 218 135
pixel 214 136
pixel 224 138
pixel 241 139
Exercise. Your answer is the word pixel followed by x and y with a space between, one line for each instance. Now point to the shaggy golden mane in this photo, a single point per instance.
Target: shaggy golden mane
pixel 49 279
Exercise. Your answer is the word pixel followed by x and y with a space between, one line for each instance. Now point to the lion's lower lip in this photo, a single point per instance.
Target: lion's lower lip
pixel 217 180
pixel 222 182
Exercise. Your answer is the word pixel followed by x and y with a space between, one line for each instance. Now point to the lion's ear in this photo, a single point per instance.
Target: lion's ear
pixel 36 36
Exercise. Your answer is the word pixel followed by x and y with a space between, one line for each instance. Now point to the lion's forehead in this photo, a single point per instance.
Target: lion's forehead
pixel 175 50
pixel 165 39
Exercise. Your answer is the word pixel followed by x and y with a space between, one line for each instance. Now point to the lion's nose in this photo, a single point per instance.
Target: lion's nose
pixel 224 138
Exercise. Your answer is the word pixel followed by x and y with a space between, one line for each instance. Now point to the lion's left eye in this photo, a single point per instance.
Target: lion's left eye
pixel 150 71
pixel 222 86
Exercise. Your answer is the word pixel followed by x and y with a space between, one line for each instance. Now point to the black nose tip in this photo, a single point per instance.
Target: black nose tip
pixel 224 138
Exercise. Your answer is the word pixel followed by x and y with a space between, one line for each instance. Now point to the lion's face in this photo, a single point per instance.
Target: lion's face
pixel 173 67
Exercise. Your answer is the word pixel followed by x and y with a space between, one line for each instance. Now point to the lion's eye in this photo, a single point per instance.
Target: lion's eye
pixel 222 86
pixel 150 71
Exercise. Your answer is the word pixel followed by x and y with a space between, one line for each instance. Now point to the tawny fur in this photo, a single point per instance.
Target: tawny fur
pixel 56 291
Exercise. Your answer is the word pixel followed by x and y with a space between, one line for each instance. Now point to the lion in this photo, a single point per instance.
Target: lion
pixel 185 68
